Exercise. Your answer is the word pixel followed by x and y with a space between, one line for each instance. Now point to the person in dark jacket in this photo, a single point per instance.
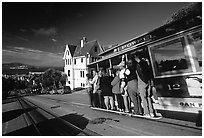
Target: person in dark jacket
pixel 106 88
pixel 99 91
pixel 144 76
pixel 132 86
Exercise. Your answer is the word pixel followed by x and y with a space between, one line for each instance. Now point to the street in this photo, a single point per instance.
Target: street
pixel 71 106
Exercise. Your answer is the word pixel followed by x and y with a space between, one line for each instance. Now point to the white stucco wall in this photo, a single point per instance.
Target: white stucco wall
pixel 75 78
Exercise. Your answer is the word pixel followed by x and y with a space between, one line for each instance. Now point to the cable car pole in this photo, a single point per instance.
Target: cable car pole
pixel 110 63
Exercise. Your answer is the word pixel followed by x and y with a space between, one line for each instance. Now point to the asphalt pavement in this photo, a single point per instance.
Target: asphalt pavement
pixel 74 107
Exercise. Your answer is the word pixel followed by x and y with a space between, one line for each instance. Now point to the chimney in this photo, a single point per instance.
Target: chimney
pixel 83 41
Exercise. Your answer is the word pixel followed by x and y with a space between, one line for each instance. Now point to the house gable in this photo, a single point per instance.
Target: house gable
pixel 69 51
pixel 95 50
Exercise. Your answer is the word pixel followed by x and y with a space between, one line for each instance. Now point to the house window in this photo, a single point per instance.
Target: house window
pixel 68 82
pixel 82 85
pixel 69 61
pixel 81 60
pixel 96 49
pixel 93 59
pixel 74 61
pixel 82 74
pixel 65 61
pixel 68 73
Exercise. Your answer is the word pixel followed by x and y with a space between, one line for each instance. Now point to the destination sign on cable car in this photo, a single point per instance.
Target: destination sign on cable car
pixel 134 42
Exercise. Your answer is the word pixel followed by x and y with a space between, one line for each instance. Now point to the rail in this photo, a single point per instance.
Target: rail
pixel 29 117
pixel 62 128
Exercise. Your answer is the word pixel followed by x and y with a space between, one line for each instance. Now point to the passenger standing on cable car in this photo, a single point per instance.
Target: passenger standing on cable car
pixel 123 86
pixel 99 90
pixel 106 88
pixel 95 82
pixel 132 86
pixel 116 91
pixel 144 79
pixel 89 88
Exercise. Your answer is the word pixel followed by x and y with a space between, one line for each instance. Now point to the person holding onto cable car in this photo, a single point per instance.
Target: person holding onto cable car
pixel 106 88
pixel 123 86
pixel 132 86
pixel 116 91
pixel 95 82
pixel 89 88
pixel 144 79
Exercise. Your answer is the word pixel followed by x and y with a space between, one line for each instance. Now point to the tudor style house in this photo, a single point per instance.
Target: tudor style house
pixel 76 60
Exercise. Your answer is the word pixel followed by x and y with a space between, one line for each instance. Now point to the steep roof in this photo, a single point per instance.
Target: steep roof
pixel 106 48
pixel 72 49
pixel 87 47
pixel 81 51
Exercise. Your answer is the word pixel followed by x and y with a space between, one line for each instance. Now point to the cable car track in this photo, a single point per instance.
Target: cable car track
pixel 29 117
pixel 62 128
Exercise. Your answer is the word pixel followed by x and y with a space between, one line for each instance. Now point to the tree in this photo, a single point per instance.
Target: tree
pixel 63 78
pixel 6 86
pixel 51 78
pixel 193 9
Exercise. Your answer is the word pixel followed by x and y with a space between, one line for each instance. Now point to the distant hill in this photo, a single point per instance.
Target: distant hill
pixel 17 66
pixel 20 68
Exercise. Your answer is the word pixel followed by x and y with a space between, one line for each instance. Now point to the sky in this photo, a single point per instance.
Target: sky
pixel 36 33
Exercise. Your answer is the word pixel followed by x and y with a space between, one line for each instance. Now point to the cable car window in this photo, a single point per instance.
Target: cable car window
pixel 196 39
pixel 116 60
pixel 169 58
pixel 104 64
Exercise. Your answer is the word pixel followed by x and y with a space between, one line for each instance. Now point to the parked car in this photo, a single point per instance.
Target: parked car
pixel 66 90
pixel 78 89
pixel 63 90
pixel 36 90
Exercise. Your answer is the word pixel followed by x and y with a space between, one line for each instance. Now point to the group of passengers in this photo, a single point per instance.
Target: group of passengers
pixel 117 89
